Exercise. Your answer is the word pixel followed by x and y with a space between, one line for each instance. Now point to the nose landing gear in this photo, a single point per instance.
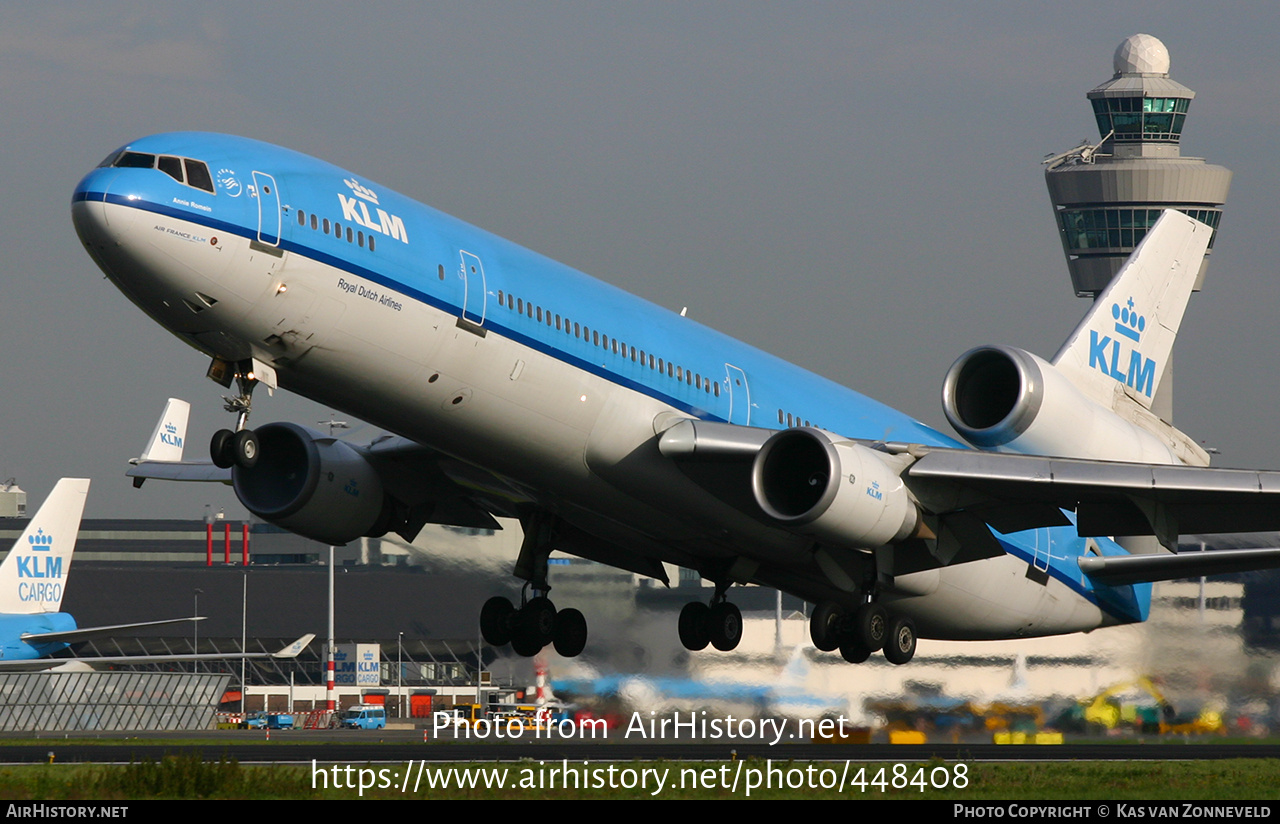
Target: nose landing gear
pixel 238 447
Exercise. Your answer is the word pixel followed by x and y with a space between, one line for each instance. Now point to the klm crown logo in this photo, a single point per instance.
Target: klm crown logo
pixel 1106 353
pixel 361 191
pixel 30 566
pixel 170 436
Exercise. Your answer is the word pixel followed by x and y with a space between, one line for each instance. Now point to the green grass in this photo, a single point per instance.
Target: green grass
pixel 189 778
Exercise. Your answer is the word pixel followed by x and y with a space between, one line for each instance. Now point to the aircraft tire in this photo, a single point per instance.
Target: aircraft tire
pixel 245 448
pixel 826 626
pixel 854 652
pixel 695 626
pixel 725 625
pixel 901 644
pixel 540 616
pixel 571 633
pixel 871 625
pixel 495 620
pixel 220 449
pixel 524 641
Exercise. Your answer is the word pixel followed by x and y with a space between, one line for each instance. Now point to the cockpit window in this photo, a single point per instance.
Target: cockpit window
pixel 172 166
pixel 197 171
pixel 198 175
pixel 110 160
pixel 135 160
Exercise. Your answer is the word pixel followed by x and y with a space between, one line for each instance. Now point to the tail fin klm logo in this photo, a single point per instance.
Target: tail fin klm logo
pixel 1106 353
pixel 170 436
pixel 29 566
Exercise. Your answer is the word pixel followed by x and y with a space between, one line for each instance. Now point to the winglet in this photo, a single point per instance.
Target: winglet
pixel 33 577
pixel 295 648
pixel 170 433
pixel 1122 346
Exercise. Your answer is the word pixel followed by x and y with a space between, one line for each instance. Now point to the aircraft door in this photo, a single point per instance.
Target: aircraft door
pixel 268 197
pixel 739 395
pixel 473 289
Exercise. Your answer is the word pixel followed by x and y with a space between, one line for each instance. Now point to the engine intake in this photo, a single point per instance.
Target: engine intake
pixel 312 484
pixel 1002 398
pixel 840 491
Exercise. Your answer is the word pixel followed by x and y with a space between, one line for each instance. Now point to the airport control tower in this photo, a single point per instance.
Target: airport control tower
pixel 1106 195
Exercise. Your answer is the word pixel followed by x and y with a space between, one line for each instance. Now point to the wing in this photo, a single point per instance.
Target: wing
pixel 964 494
pixel 289 651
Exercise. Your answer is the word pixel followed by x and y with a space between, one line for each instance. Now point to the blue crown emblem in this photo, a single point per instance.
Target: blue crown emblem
pixel 40 542
pixel 170 428
pixel 1128 322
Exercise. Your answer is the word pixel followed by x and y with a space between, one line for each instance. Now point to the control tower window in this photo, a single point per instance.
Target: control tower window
pixel 1141 119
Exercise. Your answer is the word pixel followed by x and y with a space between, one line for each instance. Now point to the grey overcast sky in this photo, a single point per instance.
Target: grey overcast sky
pixel 853 186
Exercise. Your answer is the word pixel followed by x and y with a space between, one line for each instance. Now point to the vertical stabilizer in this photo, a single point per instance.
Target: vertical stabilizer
pixel 1124 343
pixel 33 576
pixel 170 432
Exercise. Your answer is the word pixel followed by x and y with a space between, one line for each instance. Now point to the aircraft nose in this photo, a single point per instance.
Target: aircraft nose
pixel 98 227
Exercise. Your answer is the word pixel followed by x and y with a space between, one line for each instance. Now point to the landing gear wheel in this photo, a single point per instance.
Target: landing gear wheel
pixel 854 652
pixel 900 647
pixel 826 625
pixel 495 620
pixel 570 633
pixel 725 625
pixel 220 449
pixel 524 643
pixel 695 629
pixel 871 626
pixel 244 448
pixel 540 616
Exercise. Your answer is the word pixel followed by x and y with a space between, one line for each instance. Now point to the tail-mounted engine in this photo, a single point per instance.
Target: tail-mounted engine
pixel 314 485
pixel 1005 399
pixel 840 491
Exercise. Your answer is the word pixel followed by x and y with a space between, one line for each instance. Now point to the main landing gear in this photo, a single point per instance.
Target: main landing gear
pixel 534 625
pixel 238 447
pixel 537 622
pixel 867 629
pixel 718 624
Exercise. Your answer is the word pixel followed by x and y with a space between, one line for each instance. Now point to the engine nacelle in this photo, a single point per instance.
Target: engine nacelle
pixel 311 484
pixel 841 492
pixel 1002 398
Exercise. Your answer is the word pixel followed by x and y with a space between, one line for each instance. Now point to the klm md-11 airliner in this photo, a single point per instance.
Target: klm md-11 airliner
pixel 618 431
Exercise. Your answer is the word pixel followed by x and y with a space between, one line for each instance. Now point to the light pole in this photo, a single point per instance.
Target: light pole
pixel 195 627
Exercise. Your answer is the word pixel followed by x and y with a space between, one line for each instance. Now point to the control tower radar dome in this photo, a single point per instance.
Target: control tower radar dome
pixel 1141 54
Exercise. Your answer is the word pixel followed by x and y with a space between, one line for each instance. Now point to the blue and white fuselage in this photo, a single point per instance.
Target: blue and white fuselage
pixel 544 380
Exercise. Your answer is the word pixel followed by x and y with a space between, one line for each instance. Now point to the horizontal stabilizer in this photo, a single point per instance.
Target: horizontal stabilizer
pixel 1115 570
pixel 31 665
pixel 195 471
pixel 75 636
